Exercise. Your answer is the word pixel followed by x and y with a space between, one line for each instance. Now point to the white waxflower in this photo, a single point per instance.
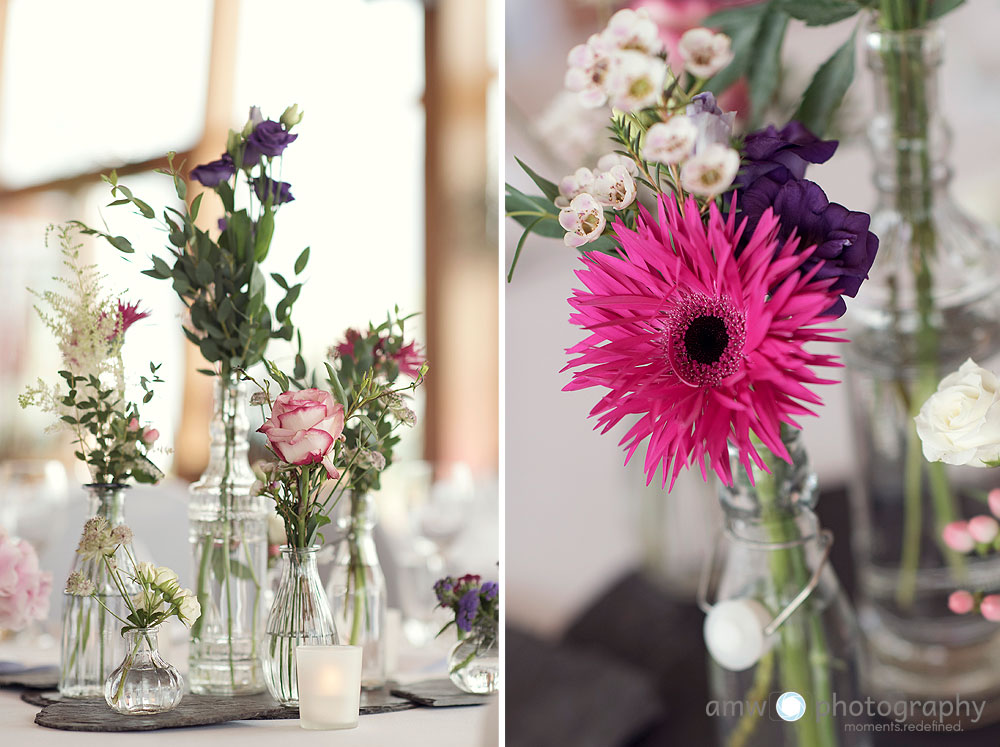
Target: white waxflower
pixel 615 188
pixel 633 29
pixel 583 220
pixel 960 422
pixel 710 172
pixel 574 184
pixel 588 71
pixel 610 160
pixel 704 52
pixel 670 142
pixel 635 80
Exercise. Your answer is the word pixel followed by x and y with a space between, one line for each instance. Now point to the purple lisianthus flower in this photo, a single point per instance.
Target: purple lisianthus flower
pixel 268 138
pixel 279 192
pixel 845 248
pixel 489 590
pixel 782 154
pixel 468 608
pixel 223 223
pixel 214 173
pixel 714 126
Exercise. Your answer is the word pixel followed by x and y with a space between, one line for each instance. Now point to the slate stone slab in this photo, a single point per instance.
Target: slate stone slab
pixel 93 714
pixel 38 678
pixel 88 714
pixel 441 693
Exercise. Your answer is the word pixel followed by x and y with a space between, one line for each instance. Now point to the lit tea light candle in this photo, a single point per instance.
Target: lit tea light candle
pixel 329 686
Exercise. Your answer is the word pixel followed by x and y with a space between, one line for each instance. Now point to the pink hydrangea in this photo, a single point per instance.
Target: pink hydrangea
pixel 24 587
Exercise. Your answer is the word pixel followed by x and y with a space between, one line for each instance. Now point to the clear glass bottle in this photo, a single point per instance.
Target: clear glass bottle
pixel 357 587
pixel 228 534
pixel 143 683
pixel 91 644
pixel 933 300
pixel 474 663
pixel 300 615
pixel 773 547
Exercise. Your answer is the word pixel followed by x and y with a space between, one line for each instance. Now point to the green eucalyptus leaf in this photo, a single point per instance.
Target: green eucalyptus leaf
pixel 765 66
pixel 262 240
pixel 819 12
pixel 196 206
pixel 827 89
pixel 300 263
pixel 742 26
pixel 120 243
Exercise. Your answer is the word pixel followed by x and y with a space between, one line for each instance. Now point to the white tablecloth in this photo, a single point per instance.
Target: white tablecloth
pixel 434 727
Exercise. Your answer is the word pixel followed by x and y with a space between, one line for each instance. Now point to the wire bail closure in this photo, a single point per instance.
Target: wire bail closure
pixel 708 571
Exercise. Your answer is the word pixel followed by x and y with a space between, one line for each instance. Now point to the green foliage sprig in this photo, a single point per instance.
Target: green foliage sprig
pixel 220 280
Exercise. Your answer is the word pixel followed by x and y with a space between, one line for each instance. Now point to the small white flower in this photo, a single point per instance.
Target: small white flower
pixel 588 71
pixel 79 585
pixel 633 29
pixel 671 141
pixel 704 52
pixel 960 422
pixel 570 186
pixel 635 80
pixel 121 534
pixel 710 172
pixel 583 220
pixel 190 609
pixel 615 188
pixel 610 160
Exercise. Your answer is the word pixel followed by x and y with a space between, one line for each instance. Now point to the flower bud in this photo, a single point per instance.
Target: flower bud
pixel 990 607
pixel 961 602
pixel 253 120
pixel 983 528
pixel 291 116
pixel 956 536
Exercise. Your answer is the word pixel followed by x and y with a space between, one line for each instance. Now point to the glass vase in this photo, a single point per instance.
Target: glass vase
pixel 931 302
pixel 228 534
pixel 773 550
pixel 357 587
pixel 91 644
pixel 299 616
pixel 474 663
pixel 143 683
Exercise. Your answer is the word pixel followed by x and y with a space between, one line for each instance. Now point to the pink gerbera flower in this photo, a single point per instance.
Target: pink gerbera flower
pixel 704 347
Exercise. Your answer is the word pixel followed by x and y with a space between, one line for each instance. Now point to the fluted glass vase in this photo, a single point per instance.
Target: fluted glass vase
pixel 774 549
pixel 228 534
pixel 143 683
pixel 932 301
pixel 357 587
pixel 91 644
pixel 300 616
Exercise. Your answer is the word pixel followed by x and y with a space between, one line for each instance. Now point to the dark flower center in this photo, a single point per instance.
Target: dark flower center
pixel 706 339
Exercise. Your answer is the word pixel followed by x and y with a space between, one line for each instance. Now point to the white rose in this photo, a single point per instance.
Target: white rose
pixel 960 423
pixel 165 579
pixel 190 610
pixel 145 571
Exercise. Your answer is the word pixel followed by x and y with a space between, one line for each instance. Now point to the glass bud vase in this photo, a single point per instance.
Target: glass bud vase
pixel 932 301
pixel 773 550
pixel 91 644
pixel 299 616
pixel 474 663
pixel 143 683
pixel 357 587
pixel 228 534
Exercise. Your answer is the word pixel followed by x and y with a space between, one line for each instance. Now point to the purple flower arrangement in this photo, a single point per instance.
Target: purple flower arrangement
pixel 476 604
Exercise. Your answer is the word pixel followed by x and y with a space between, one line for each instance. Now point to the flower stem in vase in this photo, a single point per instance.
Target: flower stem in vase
pixel 802 654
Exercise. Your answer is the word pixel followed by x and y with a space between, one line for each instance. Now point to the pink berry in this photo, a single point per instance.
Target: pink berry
pixel 956 536
pixel 990 607
pixel 961 602
pixel 983 528
pixel 994 501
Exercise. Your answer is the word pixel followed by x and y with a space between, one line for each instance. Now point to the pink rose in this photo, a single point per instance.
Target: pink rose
pixel 994 499
pixel 26 590
pixel 149 436
pixel 956 536
pixel 133 425
pixel 990 607
pixel 304 426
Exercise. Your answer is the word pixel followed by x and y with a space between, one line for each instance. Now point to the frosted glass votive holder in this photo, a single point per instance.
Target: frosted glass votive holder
pixel 329 679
